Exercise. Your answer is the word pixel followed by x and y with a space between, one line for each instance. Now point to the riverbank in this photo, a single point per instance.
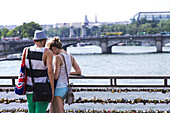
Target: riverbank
pixel 17 56
pixel 3 57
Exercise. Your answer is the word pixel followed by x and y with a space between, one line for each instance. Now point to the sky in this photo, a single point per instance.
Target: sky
pixel 16 12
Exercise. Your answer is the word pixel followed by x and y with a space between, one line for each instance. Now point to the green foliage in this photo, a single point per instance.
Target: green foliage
pixel 87 31
pixel 10 33
pixel 143 25
pixel 27 30
pixel 24 31
pixel 63 32
pixel 51 32
pixel 4 32
pixel 77 32
pixel 131 29
pixel 104 28
pixel 94 31
pixel 152 30
pixel 0 33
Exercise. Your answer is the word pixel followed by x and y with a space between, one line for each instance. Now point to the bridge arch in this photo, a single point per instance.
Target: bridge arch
pixel 65 46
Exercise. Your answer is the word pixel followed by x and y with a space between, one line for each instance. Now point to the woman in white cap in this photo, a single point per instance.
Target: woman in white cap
pixel 41 61
pixel 60 74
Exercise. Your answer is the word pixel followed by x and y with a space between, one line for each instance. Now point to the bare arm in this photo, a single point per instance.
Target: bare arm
pixel 49 63
pixel 76 67
pixel 57 64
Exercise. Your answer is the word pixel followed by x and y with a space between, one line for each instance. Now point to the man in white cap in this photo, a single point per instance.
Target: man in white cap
pixel 41 61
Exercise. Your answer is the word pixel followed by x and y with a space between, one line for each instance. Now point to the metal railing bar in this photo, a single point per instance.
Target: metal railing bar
pixel 121 86
pixel 7 85
pixel 122 77
pixel 104 77
pixel 111 77
pixel 111 82
pixel 165 82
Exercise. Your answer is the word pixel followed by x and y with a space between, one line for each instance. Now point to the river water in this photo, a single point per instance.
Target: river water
pixel 124 60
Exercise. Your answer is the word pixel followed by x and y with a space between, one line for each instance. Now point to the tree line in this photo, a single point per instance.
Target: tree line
pixel 23 31
pixel 143 25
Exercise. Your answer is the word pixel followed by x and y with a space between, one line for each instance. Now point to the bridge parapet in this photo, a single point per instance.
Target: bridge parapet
pixel 15 46
pixel 105 42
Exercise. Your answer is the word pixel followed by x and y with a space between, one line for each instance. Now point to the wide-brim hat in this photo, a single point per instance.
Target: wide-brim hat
pixel 39 35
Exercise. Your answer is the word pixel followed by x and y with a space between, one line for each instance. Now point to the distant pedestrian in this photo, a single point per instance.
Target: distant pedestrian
pixel 41 61
pixel 60 75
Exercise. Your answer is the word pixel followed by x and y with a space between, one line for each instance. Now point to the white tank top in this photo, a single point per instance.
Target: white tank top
pixel 62 78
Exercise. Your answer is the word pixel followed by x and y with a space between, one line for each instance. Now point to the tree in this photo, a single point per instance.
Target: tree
pixel 27 30
pixel 152 30
pixel 10 33
pixel 164 26
pixel 4 32
pixel 94 31
pixel 132 29
pixel 63 32
pixel 88 31
pixel 0 33
pixel 51 32
pixel 144 27
pixel 77 31
pixel 104 28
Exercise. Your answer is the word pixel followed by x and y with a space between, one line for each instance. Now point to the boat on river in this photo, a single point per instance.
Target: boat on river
pixel 17 56
pixel 167 45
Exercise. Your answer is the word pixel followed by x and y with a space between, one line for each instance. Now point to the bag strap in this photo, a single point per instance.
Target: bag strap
pixel 66 72
pixel 24 55
pixel 30 65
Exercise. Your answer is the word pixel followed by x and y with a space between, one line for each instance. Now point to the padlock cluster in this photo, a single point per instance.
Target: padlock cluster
pixel 7 101
pixel 115 101
pixel 114 111
pixel 14 110
pixel 104 90
pixel 89 111
pixel 98 100
pixel 122 90
pixel 7 90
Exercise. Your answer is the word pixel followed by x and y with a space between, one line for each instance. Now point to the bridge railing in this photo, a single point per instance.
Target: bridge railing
pixel 113 80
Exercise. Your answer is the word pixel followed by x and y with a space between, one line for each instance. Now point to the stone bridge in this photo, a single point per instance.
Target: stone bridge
pixel 105 42
pixel 10 47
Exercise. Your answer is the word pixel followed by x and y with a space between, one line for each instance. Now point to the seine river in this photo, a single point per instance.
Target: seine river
pixel 124 60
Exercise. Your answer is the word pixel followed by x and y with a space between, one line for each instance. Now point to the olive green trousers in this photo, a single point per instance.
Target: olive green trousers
pixel 36 107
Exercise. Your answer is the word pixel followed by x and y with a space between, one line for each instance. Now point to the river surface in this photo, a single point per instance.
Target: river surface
pixel 124 60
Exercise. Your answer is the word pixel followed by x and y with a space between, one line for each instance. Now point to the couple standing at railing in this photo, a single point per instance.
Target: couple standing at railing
pixel 41 58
